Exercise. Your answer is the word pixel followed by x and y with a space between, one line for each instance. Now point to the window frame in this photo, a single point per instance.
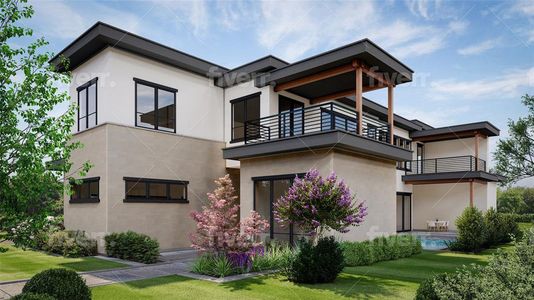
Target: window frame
pixel 156 87
pixel 237 100
pixel 146 198
pixel 85 87
pixel 88 180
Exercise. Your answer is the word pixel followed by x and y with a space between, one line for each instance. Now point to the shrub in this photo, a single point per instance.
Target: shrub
pixel 132 246
pixel 317 264
pixel 380 249
pixel 32 296
pixel 276 257
pixel 510 229
pixel 214 265
pixel 426 289
pixel 71 244
pixel 471 230
pixel 62 284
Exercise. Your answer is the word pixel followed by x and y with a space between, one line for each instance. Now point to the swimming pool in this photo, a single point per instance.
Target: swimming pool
pixel 434 242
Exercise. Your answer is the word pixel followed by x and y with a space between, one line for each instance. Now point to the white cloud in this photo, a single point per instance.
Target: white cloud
pixel 193 14
pixel 458 26
pixel 510 83
pixel 480 47
pixel 525 7
pixel 420 47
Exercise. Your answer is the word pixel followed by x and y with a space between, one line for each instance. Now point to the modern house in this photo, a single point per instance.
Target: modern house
pixel 160 125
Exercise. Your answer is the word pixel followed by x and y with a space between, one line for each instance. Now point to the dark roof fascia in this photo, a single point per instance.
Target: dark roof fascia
pixel 326 139
pixel 423 125
pixel 102 35
pixel 344 52
pixel 479 175
pixel 250 70
pixel 483 127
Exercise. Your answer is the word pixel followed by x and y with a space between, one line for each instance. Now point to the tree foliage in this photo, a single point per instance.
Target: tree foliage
pixel 218 228
pixel 511 200
pixel 30 135
pixel 515 155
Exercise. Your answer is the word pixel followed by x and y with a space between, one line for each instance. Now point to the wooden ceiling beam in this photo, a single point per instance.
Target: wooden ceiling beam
pixel 314 77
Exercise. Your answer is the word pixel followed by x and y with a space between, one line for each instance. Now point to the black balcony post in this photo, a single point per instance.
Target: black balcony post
pixel 470 162
pixel 332 118
pixel 476 163
pixel 436 166
pixel 245 132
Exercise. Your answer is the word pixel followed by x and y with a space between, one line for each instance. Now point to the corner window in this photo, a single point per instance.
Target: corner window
pixel 244 109
pixel 87 101
pixel 155 106
pixel 86 192
pixel 155 190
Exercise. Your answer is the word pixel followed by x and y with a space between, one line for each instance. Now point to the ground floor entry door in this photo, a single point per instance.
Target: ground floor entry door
pixel 404 212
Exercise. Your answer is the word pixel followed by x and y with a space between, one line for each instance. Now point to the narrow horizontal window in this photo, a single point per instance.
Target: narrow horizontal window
pixel 88 191
pixel 155 190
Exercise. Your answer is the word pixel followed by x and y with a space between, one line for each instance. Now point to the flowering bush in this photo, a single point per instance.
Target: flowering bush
pixel 314 205
pixel 30 232
pixel 219 230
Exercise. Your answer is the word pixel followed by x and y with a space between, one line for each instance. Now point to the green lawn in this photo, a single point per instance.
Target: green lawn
pixel 526 226
pixel 20 264
pixel 397 279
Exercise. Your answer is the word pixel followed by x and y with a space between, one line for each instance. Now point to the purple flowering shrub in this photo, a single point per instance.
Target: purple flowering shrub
pixel 315 204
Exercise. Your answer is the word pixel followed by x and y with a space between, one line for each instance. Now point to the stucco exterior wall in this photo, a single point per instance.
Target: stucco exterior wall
pixel 133 152
pixel 371 180
pixel 457 147
pixel 447 201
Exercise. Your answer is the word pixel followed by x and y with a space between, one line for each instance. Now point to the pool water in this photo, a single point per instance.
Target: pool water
pixel 434 243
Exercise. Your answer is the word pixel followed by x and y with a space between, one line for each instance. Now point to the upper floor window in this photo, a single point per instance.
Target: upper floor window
pixel 155 106
pixel 87 101
pixel 88 191
pixel 244 109
pixel 155 190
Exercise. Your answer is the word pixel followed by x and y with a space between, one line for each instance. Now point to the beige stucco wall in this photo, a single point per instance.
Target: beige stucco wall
pixel 372 180
pixel 133 152
pixel 447 201
pixel 458 147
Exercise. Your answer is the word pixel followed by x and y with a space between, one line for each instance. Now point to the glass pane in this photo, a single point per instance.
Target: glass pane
pixel 158 190
pixel 76 190
pixel 178 191
pixel 135 189
pixel 399 213
pixel 262 198
pixel 253 108
pixel 92 120
pixel 407 213
pixel 166 110
pixel 84 193
pixel 280 187
pixel 93 189
pixel 238 119
pixel 145 106
pixel 91 90
pixel 82 103
pixel 82 123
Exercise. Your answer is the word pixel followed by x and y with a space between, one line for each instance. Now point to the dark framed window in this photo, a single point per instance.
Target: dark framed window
pixel 88 191
pixel 148 190
pixel 87 104
pixel 155 106
pixel 244 109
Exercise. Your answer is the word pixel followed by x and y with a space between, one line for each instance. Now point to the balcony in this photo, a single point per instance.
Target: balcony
pixel 323 126
pixel 447 169
pixel 313 119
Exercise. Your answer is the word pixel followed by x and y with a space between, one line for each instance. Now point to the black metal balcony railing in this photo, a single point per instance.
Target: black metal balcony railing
pixel 465 163
pixel 313 119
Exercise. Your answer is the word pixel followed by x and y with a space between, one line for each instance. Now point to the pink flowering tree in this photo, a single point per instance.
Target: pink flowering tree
pixel 218 228
pixel 315 205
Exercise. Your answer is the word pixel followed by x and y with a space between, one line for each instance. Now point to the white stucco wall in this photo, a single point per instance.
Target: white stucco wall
pixel 199 105
pixel 457 147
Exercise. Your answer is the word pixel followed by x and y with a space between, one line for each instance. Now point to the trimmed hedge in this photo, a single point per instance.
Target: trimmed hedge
pixel 61 284
pixel 380 249
pixel 32 296
pixel 70 243
pixel 132 246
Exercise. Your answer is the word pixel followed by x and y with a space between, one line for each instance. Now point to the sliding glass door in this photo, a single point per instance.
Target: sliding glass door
pixel 404 212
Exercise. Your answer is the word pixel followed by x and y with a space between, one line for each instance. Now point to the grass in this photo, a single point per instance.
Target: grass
pixel 397 279
pixel 19 264
pixel 526 226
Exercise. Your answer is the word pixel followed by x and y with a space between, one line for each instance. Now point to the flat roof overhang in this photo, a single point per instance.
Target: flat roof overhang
pixel 364 52
pixel 334 139
pixel 451 177
pixel 102 35
pixel 454 132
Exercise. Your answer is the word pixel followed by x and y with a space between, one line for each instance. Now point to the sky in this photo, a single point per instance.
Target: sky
pixel 473 60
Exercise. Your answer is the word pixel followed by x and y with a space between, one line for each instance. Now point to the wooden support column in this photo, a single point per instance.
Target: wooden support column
pixel 359 97
pixel 471 193
pixel 390 112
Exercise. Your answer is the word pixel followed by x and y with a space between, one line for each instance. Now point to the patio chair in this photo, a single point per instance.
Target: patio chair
pixel 431 225
pixel 446 226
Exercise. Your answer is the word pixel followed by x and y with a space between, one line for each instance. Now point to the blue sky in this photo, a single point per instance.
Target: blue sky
pixel 472 60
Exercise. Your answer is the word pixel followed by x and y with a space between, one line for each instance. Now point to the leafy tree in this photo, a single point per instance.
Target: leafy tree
pixel 316 205
pixel 30 136
pixel 528 198
pixel 218 227
pixel 515 155
pixel 511 201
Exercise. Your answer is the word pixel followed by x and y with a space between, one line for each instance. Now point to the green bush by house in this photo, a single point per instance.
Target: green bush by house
pixel 32 296
pixel 132 246
pixel 379 249
pixel 70 244
pixel 61 284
